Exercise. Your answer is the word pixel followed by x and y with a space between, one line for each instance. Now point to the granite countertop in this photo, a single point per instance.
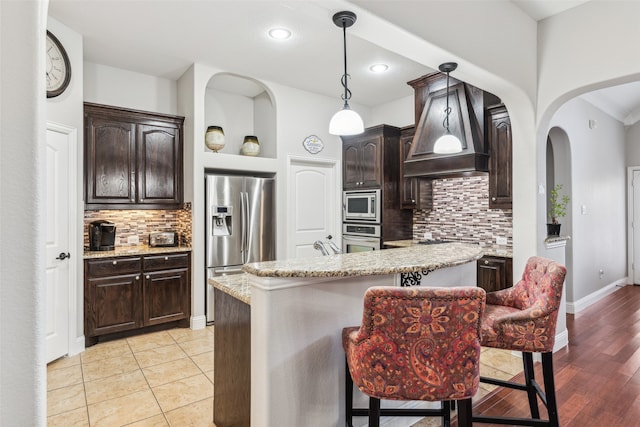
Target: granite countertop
pixel 390 261
pixel 493 250
pixel 134 250
pixel 235 285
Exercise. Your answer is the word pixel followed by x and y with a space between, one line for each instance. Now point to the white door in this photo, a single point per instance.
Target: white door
pixel 313 207
pixel 57 229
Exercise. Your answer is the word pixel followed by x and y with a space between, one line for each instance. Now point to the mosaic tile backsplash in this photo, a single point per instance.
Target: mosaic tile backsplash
pixel 142 222
pixel 461 213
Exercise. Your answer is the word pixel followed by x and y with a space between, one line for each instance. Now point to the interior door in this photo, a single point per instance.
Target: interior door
pixel 57 244
pixel 313 209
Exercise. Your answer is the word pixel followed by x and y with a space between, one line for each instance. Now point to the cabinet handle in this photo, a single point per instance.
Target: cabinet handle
pixel 166 258
pixel 148 277
pixel 493 199
pixel 486 262
pixel 413 201
pixel 138 277
pixel 115 262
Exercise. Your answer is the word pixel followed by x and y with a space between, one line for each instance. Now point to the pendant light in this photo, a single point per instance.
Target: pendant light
pixel 447 143
pixel 345 121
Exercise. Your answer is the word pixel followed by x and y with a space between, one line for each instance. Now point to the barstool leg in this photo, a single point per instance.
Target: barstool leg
pixel 374 412
pixel 348 393
pixel 529 377
pixel 464 413
pixel 550 388
pixel 446 412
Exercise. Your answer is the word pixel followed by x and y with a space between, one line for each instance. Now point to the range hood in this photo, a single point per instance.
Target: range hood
pixel 466 121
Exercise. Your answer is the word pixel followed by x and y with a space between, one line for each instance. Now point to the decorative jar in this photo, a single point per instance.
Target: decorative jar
pixel 214 138
pixel 250 146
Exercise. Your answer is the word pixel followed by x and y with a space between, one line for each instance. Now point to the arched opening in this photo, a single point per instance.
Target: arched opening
pixel 558 172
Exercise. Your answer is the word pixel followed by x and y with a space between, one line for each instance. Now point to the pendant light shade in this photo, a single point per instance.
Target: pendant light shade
pixel 345 121
pixel 447 143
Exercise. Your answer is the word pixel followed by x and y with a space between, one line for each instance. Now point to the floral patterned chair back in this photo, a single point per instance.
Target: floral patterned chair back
pixel 524 316
pixel 417 343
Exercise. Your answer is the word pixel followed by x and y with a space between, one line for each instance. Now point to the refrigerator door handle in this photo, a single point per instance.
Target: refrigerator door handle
pixel 243 225
pixel 245 241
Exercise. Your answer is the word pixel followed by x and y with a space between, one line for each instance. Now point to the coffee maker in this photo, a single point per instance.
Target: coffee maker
pixel 102 235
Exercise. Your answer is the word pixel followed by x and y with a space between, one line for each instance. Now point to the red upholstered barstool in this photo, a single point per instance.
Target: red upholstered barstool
pixel 415 344
pixel 523 318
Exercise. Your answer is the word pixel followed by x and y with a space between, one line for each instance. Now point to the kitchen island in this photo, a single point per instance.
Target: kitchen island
pixel 298 308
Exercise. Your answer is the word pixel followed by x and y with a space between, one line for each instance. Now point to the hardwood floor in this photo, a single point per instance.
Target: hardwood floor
pixel 598 375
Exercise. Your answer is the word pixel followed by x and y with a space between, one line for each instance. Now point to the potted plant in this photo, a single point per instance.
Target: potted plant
pixel 557 209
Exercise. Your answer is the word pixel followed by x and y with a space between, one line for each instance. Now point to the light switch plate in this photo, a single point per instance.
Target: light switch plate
pixel 501 240
pixel 428 235
pixel 133 240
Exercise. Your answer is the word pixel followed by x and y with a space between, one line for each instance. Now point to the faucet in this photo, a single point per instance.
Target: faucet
pixel 320 246
pixel 334 248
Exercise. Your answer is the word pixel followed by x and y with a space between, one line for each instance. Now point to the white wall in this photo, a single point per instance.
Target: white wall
pixel 128 89
pixel 66 109
pixel 598 181
pixel 397 113
pixel 633 145
pixel 22 202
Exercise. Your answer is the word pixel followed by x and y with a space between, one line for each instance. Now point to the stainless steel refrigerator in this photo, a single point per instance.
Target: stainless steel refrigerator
pixel 240 225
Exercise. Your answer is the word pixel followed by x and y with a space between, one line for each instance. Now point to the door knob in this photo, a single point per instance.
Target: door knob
pixel 63 255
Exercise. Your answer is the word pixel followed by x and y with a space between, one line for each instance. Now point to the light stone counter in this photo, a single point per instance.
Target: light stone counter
pixel 235 285
pixel 492 250
pixel 135 250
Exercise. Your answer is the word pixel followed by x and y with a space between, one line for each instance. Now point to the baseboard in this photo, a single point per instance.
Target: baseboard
pixel 198 322
pixel 562 340
pixel 582 303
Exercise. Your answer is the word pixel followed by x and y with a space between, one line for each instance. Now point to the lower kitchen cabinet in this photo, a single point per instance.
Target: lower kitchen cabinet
pixel 494 273
pixel 123 294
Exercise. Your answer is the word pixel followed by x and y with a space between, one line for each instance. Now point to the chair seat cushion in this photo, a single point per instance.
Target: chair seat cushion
pixel 518 330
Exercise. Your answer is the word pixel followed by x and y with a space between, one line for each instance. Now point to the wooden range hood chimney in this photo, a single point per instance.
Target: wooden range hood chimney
pixel 466 121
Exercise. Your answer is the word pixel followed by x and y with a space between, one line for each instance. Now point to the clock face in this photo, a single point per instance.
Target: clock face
pixel 58 67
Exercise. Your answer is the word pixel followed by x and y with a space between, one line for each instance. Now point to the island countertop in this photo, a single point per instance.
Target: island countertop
pixel 390 261
pixel 491 250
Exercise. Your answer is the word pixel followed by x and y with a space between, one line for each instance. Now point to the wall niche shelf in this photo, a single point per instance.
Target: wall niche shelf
pixel 241 106
pixel 233 162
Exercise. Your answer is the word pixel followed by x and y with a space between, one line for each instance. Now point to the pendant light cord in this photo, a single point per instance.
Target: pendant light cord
pixel 347 93
pixel 448 109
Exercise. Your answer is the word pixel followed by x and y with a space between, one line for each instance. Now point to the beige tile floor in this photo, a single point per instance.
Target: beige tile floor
pixel 166 379
pixel 158 379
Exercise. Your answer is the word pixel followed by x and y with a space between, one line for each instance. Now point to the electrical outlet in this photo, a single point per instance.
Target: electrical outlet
pixel 133 240
pixel 601 273
pixel 501 240
pixel 428 235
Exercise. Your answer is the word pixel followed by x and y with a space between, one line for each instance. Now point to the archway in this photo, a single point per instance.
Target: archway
pixel 558 171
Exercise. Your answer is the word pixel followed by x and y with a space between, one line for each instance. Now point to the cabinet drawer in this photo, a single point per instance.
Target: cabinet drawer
pixel 113 267
pixel 165 261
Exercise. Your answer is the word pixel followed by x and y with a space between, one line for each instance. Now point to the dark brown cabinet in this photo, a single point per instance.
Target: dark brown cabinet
pixel 494 273
pixel 408 186
pixel 128 293
pixel 500 158
pixel 362 156
pixel 133 159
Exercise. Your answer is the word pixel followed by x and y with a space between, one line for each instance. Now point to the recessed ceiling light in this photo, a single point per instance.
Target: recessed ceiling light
pixel 379 68
pixel 279 33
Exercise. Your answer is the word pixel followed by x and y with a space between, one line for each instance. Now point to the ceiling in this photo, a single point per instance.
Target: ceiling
pixel 164 40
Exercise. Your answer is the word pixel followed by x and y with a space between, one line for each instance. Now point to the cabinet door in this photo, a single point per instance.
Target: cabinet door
pixel 159 168
pixel 166 296
pixel 500 166
pixel 371 162
pixel 494 273
pixel 351 172
pixel 112 304
pixel 408 186
pixel 109 161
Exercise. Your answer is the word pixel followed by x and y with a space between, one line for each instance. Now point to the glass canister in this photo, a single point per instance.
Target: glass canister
pixel 250 146
pixel 214 138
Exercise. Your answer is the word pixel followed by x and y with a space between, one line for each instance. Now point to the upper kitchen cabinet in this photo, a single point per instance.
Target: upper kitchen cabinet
pixel 371 158
pixel 133 159
pixel 408 186
pixel 500 163
pixel 241 107
pixel 466 121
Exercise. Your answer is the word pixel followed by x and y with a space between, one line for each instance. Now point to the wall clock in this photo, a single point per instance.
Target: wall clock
pixel 58 67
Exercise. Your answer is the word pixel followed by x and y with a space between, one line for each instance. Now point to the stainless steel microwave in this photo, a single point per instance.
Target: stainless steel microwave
pixel 361 205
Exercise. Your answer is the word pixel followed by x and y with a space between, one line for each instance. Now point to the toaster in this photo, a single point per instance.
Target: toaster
pixel 163 238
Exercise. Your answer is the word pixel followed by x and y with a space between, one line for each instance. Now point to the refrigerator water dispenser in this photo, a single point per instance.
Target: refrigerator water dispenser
pixel 222 220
